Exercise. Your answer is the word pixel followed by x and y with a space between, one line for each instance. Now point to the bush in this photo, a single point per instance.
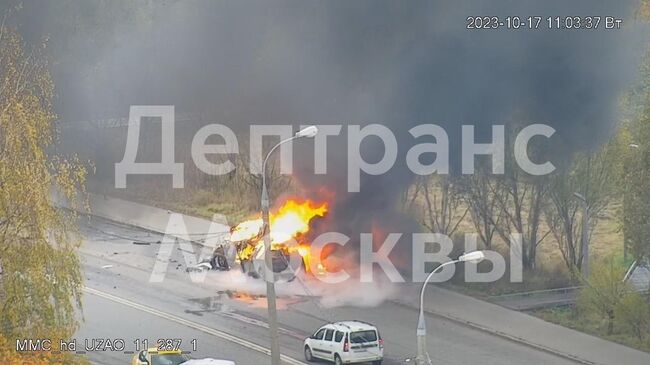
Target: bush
pixel 633 313
pixel 604 292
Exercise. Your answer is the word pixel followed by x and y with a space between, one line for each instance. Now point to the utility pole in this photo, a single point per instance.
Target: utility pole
pixel 269 277
pixel 585 234
pixel 269 274
pixel 585 240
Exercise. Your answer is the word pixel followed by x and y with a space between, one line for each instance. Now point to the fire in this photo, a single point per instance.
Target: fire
pixel 246 230
pixel 289 222
pixel 292 219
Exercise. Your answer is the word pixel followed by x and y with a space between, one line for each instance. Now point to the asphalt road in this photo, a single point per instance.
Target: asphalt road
pixel 108 321
pixel 228 317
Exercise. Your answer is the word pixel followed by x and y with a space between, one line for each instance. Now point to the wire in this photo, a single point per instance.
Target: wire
pixel 308 291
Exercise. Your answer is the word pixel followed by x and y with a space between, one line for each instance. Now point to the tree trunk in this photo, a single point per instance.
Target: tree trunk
pixel 610 322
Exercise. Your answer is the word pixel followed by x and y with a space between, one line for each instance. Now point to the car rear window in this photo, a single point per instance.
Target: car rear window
pixel 167 359
pixel 363 336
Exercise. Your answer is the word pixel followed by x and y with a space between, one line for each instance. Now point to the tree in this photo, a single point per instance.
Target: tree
pixel 522 205
pixel 604 292
pixel 444 204
pixel 9 356
pixel 40 280
pixel 636 174
pixel 636 197
pixel 514 204
pixel 484 196
pixel 643 12
pixel 633 313
pixel 594 176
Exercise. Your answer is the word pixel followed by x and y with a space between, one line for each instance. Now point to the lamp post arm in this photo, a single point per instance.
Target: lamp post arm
pixel 427 281
pixel 423 356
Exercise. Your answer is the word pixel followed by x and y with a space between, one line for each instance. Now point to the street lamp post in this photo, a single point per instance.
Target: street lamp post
pixel 423 355
pixel 585 234
pixel 268 259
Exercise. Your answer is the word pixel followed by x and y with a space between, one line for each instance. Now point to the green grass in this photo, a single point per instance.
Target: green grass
pixel 195 202
pixel 569 317
pixel 233 212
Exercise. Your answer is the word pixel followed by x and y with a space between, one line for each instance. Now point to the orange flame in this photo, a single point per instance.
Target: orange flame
pixel 288 222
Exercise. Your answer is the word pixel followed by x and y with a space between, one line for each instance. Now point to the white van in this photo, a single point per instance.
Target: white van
pixel 347 342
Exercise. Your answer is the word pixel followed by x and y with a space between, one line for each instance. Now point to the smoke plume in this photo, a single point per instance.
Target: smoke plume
pixel 340 62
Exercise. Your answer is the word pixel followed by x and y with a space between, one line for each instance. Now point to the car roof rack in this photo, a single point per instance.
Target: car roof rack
pixel 341 323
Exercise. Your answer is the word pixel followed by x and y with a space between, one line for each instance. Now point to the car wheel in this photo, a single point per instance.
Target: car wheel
pixel 337 360
pixel 308 356
pixel 378 362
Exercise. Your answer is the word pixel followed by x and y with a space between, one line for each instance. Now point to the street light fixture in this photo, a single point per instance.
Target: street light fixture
pixel 269 276
pixel 309 132
pixel 423 355
pixel 585 234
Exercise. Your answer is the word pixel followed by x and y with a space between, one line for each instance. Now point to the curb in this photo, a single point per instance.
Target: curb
pixel 146 229
pixel 503 335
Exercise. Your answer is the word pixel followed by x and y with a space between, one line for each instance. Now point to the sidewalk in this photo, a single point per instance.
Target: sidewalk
pixel 151 218
pixel 521 327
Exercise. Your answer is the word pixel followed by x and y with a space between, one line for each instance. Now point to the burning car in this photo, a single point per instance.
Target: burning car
pixel 244 246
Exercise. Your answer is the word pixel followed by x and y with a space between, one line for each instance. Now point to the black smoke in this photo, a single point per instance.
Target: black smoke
pixel 344 62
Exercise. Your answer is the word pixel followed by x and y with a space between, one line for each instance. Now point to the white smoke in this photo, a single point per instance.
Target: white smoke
pixel 351 292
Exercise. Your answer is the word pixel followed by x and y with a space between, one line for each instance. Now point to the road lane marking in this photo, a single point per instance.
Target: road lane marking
pixel 191 324
pixel 259 323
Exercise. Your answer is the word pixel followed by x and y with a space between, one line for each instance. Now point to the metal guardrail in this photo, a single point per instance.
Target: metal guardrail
pixel 537 292
pixel 538 299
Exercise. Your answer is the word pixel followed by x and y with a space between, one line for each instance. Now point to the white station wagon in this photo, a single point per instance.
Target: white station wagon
pixel 346 342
